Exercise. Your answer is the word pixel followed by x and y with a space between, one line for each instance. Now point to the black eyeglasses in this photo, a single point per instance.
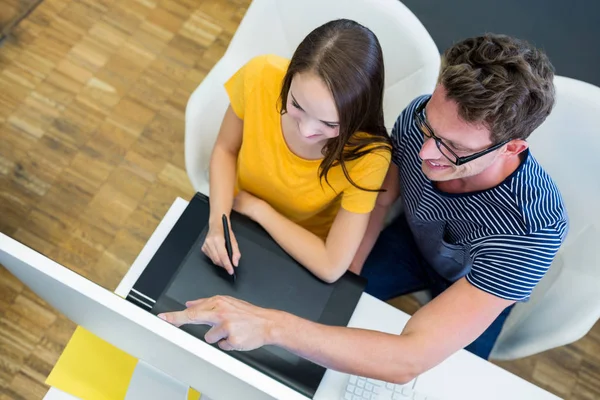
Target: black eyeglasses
pixel 442 147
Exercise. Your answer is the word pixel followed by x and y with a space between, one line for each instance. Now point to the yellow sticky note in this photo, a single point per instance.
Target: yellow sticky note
pixel 193 394
pixel 92 369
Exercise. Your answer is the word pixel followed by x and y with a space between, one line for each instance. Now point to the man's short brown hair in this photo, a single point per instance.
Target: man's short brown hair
pixel 504 83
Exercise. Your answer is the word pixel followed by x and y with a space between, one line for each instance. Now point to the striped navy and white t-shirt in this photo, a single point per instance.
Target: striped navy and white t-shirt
pixel 502 239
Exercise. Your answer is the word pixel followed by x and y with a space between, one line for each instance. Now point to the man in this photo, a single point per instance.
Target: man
pixel 482 222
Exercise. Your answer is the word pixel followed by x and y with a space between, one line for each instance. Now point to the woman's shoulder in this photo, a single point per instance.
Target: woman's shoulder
pixel 367 163
pixel 372 148
pixel 266 65
pixel 374 157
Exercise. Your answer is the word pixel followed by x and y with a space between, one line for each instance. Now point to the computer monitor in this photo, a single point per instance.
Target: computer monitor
pixel 137 332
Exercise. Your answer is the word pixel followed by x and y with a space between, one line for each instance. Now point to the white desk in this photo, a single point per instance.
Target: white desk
pixel 462 376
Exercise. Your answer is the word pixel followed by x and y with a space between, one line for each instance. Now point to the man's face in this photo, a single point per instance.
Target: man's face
pixel 463 138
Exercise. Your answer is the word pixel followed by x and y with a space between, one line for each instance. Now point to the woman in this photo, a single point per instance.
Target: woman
pixel 303 150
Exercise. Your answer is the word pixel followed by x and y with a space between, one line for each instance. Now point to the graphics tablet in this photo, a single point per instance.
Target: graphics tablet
pixel 266 276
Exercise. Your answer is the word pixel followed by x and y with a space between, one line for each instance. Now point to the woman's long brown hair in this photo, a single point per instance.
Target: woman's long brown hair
pixel 349 59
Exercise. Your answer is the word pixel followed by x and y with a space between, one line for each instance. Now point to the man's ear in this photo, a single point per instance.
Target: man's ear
pixel 515 147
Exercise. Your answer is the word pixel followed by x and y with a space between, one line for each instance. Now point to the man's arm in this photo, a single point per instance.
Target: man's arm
pixel 445 325
pixel 385 200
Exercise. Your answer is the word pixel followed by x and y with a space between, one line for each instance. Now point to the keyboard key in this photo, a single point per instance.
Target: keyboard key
pixel 361 388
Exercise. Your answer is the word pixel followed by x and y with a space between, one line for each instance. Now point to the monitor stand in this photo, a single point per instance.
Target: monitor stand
pixel 149 383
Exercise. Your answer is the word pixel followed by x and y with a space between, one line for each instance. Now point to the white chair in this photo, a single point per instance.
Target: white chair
pixel 278 26
pixel 566 303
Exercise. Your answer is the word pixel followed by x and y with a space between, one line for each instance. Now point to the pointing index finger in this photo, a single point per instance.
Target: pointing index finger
pixel 192 315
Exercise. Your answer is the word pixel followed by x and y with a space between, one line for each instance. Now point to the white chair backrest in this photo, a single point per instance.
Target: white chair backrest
pixel 565 304
pixel 567 146
pixel 275 26
pixel 278 26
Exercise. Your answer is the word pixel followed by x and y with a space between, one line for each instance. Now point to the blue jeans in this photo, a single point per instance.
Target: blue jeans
pixel 395 267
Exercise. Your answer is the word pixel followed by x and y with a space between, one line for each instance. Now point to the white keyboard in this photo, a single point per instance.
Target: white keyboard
pixel 360 388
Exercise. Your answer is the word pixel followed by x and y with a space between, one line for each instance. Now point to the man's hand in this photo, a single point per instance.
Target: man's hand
pixel 236 324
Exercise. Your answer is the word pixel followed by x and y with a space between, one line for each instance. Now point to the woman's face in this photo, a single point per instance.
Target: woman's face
pixel 310 104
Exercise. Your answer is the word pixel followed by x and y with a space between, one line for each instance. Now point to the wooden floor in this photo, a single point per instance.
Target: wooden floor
pixel 12 11
pixel 92 102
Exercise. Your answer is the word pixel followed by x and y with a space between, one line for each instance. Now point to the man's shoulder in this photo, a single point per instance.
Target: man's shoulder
pixel 405 129
pixel 537 197
pixel 509 260
pixel 405 119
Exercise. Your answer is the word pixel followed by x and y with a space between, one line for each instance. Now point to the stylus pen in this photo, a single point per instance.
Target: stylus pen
pixel 228 244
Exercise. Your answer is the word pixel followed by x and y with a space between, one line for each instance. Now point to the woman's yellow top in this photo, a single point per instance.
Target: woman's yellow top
pixel 268 169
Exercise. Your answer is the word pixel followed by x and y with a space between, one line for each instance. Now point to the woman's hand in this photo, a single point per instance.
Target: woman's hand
pixel 248 204
pixel 214 246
